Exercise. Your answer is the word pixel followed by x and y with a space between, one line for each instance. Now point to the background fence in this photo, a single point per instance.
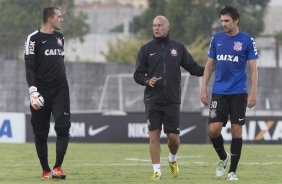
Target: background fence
pixel 100 87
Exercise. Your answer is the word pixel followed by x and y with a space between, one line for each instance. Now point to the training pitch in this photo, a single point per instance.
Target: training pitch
pixel 130 164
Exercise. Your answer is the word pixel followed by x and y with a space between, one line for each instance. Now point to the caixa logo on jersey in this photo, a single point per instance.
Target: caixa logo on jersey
pixel 54 52
pixel 258 131
pixel 12 128
pixel 223 57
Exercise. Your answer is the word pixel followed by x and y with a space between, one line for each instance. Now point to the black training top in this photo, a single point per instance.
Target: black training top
pixel 163 57
pixel 44 59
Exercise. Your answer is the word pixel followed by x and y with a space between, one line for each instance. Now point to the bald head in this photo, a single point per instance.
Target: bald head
pixel 160 26
pixel 162 19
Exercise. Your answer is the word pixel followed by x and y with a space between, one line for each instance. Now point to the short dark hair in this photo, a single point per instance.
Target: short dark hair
pixel 230 10
pixel 49 12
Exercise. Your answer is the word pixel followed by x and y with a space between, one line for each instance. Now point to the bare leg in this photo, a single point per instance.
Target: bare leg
pixel 173 143
pixel 155 146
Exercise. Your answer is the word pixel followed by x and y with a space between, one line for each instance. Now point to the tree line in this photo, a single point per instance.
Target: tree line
pixel 191 21
pixel 18 18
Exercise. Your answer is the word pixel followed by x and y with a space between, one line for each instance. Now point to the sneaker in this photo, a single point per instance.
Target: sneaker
pixel 232 176
pixel 58 173
pixel 174 170
pixel 156 176
pixel 46 175
pixel 221 166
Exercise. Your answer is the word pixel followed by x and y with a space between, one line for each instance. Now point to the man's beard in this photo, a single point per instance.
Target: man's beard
pixel 227 30
pixel 57 28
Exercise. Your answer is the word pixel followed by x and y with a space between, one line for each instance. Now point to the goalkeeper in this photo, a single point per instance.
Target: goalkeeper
pixel 48 89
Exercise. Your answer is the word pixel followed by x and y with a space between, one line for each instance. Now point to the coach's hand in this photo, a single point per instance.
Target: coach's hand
pixel 153 80
pixel 36 100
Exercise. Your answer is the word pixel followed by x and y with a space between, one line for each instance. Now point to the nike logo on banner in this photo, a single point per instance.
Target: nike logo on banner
pixel 93 132
pixel 152 54
pixel 186 130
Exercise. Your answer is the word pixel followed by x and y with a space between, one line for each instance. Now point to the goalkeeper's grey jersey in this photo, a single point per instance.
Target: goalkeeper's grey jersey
pixel 44 59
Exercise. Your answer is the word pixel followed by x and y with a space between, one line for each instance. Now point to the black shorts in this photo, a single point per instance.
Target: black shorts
pixel 167 115
pixel 224 106
pixel 57 103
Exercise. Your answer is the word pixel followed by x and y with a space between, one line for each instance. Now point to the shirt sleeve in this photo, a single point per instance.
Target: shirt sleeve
pixel 29 57
pixel 63 40
pixel 252 52
pixel 190 65
pixel 140 74
pixel 212 51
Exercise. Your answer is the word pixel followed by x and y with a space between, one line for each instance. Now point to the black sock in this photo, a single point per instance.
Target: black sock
pixel 61 148
pixel 42 152
pixel 236 147
pixel 219 147
pixel 59 159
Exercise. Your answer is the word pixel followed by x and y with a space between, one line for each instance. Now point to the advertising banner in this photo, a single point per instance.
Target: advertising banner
pixel 259 129
pixel 130 128
pixel 12 128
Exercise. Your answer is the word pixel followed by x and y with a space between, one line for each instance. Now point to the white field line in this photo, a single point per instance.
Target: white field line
pixel 162 158
pixel 133 161
pixel 148 163
pixel 201 163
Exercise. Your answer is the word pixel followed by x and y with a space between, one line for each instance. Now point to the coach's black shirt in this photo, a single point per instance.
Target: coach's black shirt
pixel 163 57
pixel 44 59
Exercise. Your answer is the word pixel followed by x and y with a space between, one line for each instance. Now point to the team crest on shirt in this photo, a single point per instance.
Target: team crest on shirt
pixel 173 52
pixel 238 46
pixel 59 42
pixel 212 113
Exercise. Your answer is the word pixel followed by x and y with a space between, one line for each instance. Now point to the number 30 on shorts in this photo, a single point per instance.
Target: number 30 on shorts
pixel 213 104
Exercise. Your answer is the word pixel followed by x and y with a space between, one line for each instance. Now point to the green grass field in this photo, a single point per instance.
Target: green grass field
pixel 130 163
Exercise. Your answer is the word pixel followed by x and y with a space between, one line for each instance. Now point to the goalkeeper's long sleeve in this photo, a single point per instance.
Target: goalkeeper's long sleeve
pixel 29 67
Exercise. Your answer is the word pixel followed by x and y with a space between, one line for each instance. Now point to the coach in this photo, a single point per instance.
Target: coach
pixel 158 68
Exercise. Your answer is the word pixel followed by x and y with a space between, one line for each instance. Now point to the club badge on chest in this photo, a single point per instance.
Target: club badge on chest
pixel 173 52
pixel 59 42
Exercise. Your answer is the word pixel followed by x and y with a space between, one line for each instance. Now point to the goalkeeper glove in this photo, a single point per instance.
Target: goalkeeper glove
pixel 36 100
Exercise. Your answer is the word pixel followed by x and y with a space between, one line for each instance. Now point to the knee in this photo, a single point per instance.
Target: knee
pixel 154 136
pixel 40 137
pixel 215 129
pixel 40 130
pixel 213 133
pixel 62 130
pixel 236 131
pixel 173 139
pixel 62 126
